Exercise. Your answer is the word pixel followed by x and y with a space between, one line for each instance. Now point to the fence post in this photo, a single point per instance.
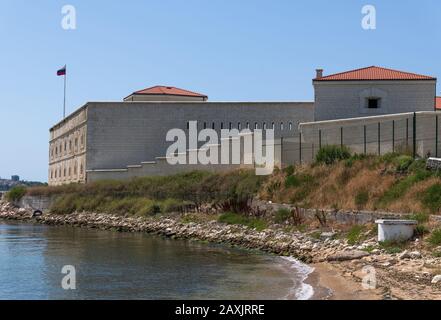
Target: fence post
pixel 281 153
pixel 393 136
pixel 407 133
pixel 300 147
pixel 379 142
pixel 414 135
pixel 365 149
pixel 341 137
pixel 436 136
pixel 320 139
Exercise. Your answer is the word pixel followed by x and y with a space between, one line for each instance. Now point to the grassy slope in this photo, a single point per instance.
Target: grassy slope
pixel 392 182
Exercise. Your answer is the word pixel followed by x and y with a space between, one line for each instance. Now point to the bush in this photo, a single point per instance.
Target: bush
pixel 282 215
pixel 403 162
pixel 354 234
pixel 421 230
pixel 420 217
pixel 234 218
pixel 16 193
pixel 292 182
pixel 289 170
pixel 431 198
pixel 435 237
pixel 361 198
pixel 330 154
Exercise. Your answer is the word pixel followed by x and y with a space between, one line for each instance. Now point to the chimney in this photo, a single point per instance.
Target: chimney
pixel 319 73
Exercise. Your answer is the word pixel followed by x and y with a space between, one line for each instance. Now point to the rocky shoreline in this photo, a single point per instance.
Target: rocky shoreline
pixel 406 275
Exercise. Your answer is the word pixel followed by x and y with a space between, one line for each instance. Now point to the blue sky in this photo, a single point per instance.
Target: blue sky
pixel 248 50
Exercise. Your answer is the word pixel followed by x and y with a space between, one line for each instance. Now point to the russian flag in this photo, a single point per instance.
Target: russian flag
pixel 62 71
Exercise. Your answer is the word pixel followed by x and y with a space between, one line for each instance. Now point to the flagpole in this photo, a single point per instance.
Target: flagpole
pixel 64 103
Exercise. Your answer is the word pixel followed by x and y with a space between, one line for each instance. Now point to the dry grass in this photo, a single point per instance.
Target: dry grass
pixel 370 183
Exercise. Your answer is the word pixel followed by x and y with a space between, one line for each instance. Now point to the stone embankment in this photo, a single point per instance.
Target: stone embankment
pixel 412 274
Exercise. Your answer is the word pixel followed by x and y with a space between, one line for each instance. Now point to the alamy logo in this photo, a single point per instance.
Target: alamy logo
pixel 369 21
pixel 69 21
pixel 247 147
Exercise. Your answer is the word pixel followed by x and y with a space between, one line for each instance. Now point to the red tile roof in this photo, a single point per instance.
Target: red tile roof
pixel 374 73
pixel 172 91
pixel 438 103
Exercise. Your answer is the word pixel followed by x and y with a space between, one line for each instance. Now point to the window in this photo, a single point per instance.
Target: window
pixel 281 126
pixel 65 145
pixel 239 126
pixel 69 172
pixel 264 126
pixel 373 103
pixel 222 125
pixel 76 142
pixel 273 125
pixel 213 126
pixel 256 126
pixel 290 126
pixel 248 125
pixel 230 126
pixel 188 125
pixel 205 125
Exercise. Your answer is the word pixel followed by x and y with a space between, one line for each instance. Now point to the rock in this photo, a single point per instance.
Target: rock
pixel 436 279
pixel 404 255
pixel 410 255
pixel 376 251
pixel 327 235
pixel 415 255
pixel 348 255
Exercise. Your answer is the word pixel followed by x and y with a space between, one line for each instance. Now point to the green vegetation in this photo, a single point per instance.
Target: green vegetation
pixel 331 154
pixel 393 247
pixel 16 193
pixel 282 215
pixel 402 186
pixel 435 237
pixel 234 218
pixel 354 235
pixel 153 195
pixel 431 198
pixel 361 198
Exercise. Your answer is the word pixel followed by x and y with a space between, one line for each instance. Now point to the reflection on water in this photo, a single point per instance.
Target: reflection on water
pixel 111 265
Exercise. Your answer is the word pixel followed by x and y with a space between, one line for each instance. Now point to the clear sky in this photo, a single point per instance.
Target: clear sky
pixel 247 50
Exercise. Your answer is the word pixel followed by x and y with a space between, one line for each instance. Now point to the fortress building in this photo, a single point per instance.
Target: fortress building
pixel 118 140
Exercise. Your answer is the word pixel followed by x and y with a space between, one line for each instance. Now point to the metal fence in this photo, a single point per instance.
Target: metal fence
pixel 414 133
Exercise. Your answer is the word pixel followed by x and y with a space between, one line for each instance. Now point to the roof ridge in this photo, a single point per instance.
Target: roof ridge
pixel 372 72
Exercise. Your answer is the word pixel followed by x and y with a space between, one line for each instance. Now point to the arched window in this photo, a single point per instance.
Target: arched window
pixel 75 168
pixel 230 126
pixel 281 126
pixel 273 125
pixel 69 172
pixel 213 126
pixel 290 126
pixel 239 126
pixel 264 126
pixel 256 125
pixel 222 125
pixel 64 172
pixel 248 125
pixel 81 169
pixel 205 125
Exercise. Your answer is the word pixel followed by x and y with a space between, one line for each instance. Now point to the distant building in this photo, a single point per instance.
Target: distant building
pixel 15 178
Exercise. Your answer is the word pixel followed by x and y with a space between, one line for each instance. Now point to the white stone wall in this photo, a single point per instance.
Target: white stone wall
pixel 347 99
pixel 67 150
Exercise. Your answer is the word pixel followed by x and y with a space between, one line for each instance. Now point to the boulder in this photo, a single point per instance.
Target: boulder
pixel 436 279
